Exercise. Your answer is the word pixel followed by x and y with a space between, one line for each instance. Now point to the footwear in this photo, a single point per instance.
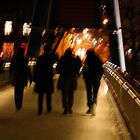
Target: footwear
pixel 17 110
pixel 39 112
pixel 65 111
pixel 90 110
pixel 70 111
pixel 49 110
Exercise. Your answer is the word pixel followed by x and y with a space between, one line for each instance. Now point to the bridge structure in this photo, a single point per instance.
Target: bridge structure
pixel 117 111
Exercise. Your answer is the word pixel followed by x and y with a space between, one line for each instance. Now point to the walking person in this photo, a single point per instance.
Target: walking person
pixel 92 73
pixel 68 69
pixel 20 74
pixel 43 78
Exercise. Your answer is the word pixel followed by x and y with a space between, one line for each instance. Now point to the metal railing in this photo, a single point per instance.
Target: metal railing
pixel 126 96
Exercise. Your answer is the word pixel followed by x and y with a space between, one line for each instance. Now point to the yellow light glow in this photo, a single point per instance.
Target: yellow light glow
pixel 105 21
pixel 79 41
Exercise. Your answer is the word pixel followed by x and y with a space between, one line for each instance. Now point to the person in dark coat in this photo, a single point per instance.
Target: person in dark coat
pixel 67 67
pixel 92 73
pixel 43 78
pixel 19 76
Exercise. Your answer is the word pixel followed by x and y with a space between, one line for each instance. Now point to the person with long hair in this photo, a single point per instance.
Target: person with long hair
pixel 92 73
pixel 68 69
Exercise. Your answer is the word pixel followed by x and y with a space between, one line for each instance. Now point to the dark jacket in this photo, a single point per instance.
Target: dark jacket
pixel 93 69
pixel 19 70
pixel 43 74
pixel 68 69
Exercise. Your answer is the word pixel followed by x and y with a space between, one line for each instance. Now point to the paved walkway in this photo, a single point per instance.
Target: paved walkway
pixel 28 125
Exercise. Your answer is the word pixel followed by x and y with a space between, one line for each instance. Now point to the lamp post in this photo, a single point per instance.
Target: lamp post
pixel 119 36
pixel 113 27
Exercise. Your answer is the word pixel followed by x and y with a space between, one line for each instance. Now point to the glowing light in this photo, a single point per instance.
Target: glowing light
pixel 43 33
pixel 100 40
pixel 81 53
pixel 94 41
pixel 26 29
pixel 79 41
pixel 85 31
pixel 129 51
pixel 105 21
pixel 8 28
pixel 99 45
pixel 1 54
pixel 114 32
pixel 87 36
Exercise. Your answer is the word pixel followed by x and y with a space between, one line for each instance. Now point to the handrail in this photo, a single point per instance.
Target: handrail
pixel 122 77
pixel 126 95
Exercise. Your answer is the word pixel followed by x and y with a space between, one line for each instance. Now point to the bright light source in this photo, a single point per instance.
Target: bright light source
pixel 79 41
pixel 81 53
pixel 114 32
pixel 8 28
pixel 1 54
pixel 94 41
pixel 105 21
pixel 26 29
pixel 43 33
pixel 85 30
pixel 129 50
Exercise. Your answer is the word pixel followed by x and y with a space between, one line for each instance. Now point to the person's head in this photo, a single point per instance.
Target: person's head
pixel 90 52
pixel 68 53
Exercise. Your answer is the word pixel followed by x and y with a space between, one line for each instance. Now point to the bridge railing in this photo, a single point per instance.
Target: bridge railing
pixel 127 97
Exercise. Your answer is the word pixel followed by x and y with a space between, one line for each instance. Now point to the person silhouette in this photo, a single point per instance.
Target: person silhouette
pixel 19 76
pixel 67 67
pixel 43 78
pixel 92 73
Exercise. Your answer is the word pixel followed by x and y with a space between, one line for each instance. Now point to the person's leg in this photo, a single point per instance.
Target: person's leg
pixel 21 90
pixel 70 100
pixel 40 103
pixel 65 101
pixel 96 86
pixel 49 102
pixel 89 95
pixel 16 97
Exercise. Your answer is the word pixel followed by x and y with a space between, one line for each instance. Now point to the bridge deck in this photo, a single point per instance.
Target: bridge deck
pixel 28 125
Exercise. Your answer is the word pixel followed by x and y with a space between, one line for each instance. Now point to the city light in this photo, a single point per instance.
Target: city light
pixel 105 21
pixel 26 29
pixel 79 41
pixel 1 54
pixel 8 28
